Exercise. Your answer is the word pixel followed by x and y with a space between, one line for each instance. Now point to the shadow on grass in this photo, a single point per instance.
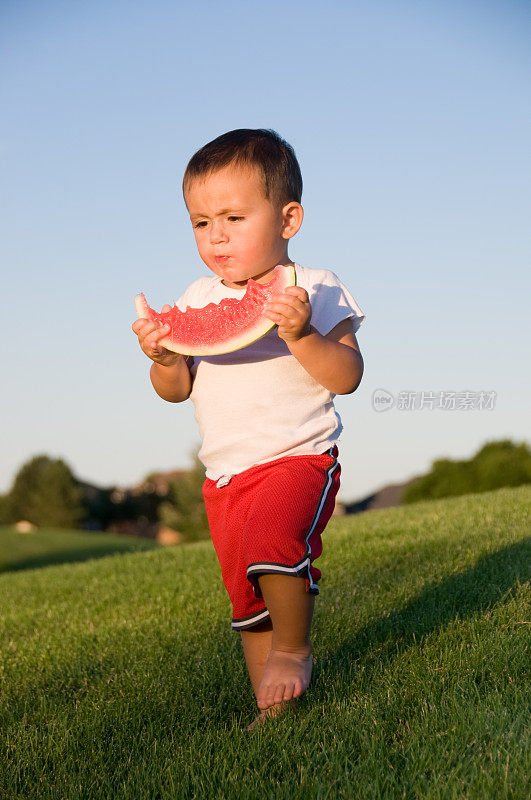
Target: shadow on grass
pixel 474 591
pixel 72 555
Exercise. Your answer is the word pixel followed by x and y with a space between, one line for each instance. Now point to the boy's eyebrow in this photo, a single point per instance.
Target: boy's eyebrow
pixel 223 211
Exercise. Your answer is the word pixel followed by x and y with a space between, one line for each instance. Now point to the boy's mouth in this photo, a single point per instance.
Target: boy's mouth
pixel 220 260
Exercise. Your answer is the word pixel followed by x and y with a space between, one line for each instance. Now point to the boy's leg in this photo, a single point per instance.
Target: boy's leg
pixel 288 668
pixel 256 644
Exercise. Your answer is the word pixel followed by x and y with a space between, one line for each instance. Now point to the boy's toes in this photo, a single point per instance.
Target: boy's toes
pixel 280 693
pixel 289 692
pixel 286 676
pixel 274 694
pixel 297 689
pixel 270 696
pixel 263 698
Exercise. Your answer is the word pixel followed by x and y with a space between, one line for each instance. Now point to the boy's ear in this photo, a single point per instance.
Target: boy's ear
pixel 292 215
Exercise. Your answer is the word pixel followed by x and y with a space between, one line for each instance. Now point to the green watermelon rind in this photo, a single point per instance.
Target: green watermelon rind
pixel 260 328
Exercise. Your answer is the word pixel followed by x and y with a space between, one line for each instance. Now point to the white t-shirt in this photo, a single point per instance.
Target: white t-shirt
pixel 258 403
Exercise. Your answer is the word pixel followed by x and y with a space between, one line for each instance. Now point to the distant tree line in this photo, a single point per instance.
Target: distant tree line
pixel 46 493
pixel 184 508
pixel 496 464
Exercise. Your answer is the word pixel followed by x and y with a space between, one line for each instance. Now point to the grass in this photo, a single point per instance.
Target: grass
pixel 56 546
pixel 120 677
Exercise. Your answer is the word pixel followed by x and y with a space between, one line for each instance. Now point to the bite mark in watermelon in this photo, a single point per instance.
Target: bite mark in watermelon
pixel 222 327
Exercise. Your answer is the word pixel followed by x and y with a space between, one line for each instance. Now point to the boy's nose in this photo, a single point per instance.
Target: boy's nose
pixel 217 233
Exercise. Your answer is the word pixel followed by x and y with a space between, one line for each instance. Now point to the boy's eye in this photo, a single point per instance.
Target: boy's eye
pixel 200 224
pixel 232 218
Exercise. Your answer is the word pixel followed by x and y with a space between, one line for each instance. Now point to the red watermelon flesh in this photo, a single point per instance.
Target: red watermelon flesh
pixel 222 327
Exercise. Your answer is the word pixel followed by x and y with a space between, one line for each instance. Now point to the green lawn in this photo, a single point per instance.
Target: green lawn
pixel 120 677
pixel 56 546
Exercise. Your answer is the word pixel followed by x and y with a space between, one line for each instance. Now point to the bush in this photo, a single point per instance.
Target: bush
pixel 496 464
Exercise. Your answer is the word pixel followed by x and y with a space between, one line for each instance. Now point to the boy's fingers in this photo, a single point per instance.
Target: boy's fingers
pixel 278 308
pixel 143 326
pixel 138 324
pixel 286 308
pixel 296 302
pixel 146 326
pixel 154 336
pixel 291 299
pixel 298 291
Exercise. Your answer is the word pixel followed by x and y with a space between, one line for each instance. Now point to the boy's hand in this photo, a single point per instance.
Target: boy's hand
pixel 292 312
pixel 149 333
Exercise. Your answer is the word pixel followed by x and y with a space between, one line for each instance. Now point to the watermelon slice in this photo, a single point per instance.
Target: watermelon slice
pixel 222 327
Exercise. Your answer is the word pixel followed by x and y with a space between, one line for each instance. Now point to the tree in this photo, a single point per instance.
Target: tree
pixel 503 463
pixel 184 509
pixel 496 464
pixel 46 493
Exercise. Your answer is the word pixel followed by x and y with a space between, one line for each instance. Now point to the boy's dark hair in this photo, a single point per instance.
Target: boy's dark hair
pixel 247 147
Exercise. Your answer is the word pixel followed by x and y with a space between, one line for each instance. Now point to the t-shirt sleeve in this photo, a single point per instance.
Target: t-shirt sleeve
pixel 331 303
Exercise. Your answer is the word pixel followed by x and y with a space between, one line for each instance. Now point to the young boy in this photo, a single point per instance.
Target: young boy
pixel 266 416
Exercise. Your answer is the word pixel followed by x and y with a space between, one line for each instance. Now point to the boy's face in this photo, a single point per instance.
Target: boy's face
pixel 240 234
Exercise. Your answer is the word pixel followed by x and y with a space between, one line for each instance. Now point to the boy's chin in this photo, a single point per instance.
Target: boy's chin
pixel 239 277
pixel 232 275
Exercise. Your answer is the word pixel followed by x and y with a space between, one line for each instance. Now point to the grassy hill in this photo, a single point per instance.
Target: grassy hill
pixel 58 546
pixel 120 677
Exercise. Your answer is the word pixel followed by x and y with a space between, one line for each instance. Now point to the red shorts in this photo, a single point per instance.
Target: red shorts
pixel 269 519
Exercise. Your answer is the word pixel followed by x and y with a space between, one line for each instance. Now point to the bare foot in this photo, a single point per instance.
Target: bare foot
pixel 286 675
pixel 272 711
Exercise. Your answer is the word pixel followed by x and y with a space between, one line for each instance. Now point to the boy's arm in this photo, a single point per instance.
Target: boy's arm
pixel 169 372
pixel 173 383
pixel 333 360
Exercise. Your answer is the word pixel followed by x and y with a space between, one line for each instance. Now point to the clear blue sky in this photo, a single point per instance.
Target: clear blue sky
pixel 411 122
